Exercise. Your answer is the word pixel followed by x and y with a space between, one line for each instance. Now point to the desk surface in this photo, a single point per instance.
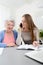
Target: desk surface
pixel 11 56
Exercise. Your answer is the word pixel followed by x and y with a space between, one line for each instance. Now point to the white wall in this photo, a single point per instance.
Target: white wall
pixel 15 11
pixel 35 11
pixel 4 14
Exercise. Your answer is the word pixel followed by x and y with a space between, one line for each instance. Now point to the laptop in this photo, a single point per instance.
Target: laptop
pixel 35 55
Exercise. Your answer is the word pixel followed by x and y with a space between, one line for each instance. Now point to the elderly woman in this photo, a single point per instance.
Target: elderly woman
pixel 8 36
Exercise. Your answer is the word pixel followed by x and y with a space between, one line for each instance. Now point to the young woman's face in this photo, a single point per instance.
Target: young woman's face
pixel 9 26
pixel 24 23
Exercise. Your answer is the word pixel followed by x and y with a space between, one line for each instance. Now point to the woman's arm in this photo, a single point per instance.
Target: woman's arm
pixel 1 36
pixel 19 40
pixel 36 34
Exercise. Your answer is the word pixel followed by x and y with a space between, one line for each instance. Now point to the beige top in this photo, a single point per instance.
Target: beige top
pixel 26 36
pixel 36 34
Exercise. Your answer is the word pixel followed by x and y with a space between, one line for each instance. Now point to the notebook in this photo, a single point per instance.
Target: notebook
pixel 36 55
pixel 26 46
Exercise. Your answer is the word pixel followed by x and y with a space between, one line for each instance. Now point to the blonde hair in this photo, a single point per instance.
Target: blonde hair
pixel 6 21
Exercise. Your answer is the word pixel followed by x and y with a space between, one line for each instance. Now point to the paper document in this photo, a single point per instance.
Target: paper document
pixel 30 47
pixel 1 51
pixel 26 46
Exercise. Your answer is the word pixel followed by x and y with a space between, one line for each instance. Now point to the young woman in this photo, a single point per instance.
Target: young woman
pixel 9 36
pixel 29 33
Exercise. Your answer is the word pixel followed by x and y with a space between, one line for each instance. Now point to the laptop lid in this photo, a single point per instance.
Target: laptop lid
pixel 36 55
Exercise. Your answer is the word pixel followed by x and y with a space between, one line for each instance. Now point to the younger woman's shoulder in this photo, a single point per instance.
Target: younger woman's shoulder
pixel 36 30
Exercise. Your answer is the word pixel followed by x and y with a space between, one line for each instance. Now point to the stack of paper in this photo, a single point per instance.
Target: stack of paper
pixel 1 51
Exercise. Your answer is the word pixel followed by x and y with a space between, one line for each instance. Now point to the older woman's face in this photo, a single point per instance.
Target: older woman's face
pixel 9 26
pixel 24 23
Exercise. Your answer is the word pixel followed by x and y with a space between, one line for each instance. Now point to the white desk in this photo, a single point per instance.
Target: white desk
pixel 11 56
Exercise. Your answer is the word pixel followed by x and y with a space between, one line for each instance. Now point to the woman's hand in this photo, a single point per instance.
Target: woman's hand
pixel 35 43
pixel 11 44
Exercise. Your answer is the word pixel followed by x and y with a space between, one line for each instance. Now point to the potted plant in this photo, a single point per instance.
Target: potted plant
pixel 41 34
